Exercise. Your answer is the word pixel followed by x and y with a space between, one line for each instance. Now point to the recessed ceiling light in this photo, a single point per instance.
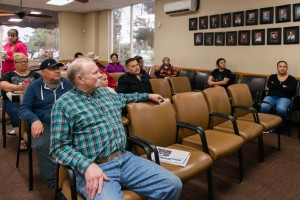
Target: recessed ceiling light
pixel 59 2
pixel 35 12
pixel 15 20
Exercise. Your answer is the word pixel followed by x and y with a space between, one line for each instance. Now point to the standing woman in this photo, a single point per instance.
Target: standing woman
pixel 14 45
pixel 17 80
pixel 114 66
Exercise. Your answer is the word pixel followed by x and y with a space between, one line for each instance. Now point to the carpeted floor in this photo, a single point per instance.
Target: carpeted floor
pixel 278 178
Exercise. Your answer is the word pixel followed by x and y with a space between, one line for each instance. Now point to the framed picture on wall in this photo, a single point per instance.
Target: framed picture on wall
pixel 198 39
pixel 251 17
pixel 266 15
pixel 209 39
pixel 238 18
pixel 291 35
pixel 220 39
pixel 258 37
pixel 231 38
pixel 214 21
pixel 203 22
pixel 193 22
pixel 296 11
pixel 283 13
pixel 226 20
pixel 274 36
pixel 244 38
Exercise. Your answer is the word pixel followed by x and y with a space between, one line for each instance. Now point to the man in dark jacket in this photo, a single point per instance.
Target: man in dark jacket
pixel 36 109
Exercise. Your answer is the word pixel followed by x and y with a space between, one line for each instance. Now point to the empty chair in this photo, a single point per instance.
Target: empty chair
pixel 191 107
pixel 180 84
pixel 256 84
pixel 200 81
pixel 218 102
pixel 188 73
pixel 162 87
pixel 157 125
pixel 243 110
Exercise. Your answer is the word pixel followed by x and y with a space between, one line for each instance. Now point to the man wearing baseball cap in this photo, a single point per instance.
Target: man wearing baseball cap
pixel 36 109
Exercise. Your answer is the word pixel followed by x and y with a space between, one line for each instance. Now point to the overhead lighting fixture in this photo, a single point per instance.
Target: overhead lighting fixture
pixel 59 2
pixel 15 20
pixel 35 12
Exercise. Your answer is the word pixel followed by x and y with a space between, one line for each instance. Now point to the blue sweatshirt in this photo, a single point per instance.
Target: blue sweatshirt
pixel 38 100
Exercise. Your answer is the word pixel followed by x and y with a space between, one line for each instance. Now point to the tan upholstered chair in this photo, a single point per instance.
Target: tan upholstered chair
pixel 161 86
pixel 116 76
pixel 218 102
pixel 243 109
pixel 191 107
pixel 157 125
pixel 180 84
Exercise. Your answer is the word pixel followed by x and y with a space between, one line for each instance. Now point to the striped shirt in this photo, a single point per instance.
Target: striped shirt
pixel 86 127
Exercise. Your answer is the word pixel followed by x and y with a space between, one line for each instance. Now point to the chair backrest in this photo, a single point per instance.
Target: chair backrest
pixel 234 79
pixel 240 95
pixel 256 85
pixel 153 122
pixel 116 76
pixel 147 69
pixel 180 84
pixel 217 101
pixel 200 80
pixel 161 86
pixel 188 73
pixel 190 107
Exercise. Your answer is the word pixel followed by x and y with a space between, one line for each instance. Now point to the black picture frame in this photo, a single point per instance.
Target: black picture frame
pixel 244 38
pixel 296 12
pixel 283 13
pixel 193 23
pixel 214 21
pixel 238 18
pixel 198 39
pixel 226 20
pixel 274 36
pixel 203 22
pixel 220 39
pixel 291 35
pixel 251 17
pixel 231 38
pixel 267 15
pixel 258 37
pixel 209 39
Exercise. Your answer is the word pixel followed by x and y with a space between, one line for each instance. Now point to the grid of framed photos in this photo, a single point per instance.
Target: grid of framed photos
pixel 268 15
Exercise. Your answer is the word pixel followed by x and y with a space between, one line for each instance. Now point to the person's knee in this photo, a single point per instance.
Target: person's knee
pixel 281 111
pixel 175 187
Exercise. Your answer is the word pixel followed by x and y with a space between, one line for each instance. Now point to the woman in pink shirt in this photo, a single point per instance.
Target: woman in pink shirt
pixel 14 45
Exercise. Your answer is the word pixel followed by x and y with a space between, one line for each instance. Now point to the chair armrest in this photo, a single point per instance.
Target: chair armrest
pixel 251 109
pixel 197 129
pixel 149 144
pixel 71 174
pixel 295 102
pixel 229 117
pixel 135 141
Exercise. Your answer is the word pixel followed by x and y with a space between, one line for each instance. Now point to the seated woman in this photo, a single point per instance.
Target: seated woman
pixel 282 87
pixel 166 70
pixel 11 82
pixel 114 66
pixel 219 76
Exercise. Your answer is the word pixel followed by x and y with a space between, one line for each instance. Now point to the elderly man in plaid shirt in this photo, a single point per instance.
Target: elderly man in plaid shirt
pixel 87 132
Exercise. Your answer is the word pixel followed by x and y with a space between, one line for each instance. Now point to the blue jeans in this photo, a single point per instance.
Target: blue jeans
pixel 12 110
pixel 281 105
pixel 137 174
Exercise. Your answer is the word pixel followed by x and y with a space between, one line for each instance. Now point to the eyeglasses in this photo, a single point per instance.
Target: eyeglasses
pixel 22 62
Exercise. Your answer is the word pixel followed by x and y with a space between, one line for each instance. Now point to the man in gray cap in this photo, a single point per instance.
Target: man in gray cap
pixel 36 108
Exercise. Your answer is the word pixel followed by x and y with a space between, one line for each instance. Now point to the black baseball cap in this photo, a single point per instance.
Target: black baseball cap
pixel 50 63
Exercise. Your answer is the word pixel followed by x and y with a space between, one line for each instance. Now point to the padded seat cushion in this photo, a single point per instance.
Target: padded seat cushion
pixel 220 144
pixel 198 162
pixel 268 121
pixel 125 121
pixel 247 130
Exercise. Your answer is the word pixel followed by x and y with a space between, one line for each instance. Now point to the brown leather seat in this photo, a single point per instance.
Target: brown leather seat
pixel 157 125
pixel 191 107
pixel 241 96
pixel 116 76
pixel 161 86
pixel 218 102
pixel 64 184
pixel 180 84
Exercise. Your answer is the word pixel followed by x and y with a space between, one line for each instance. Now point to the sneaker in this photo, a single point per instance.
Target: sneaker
pixel 11 132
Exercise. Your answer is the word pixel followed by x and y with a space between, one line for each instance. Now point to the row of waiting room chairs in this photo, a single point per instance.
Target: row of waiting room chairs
pixel 188 124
